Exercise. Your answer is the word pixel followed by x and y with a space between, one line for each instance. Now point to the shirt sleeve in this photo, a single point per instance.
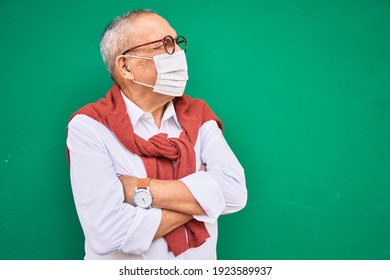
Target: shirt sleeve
pixel 221 189
pixel 109 224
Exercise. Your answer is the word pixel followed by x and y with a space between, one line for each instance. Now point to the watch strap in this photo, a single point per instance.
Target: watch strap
pixel 143 183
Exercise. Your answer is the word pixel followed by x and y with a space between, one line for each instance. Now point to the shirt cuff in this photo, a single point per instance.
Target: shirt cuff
pixel 208 193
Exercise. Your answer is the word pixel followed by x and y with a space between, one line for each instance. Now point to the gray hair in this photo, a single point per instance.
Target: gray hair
pixel 115 37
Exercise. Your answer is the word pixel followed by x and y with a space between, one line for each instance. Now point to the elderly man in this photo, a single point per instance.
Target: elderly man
pixel 150 169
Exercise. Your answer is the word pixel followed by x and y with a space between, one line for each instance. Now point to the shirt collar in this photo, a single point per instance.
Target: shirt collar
pixel 135 112
pixel 170 112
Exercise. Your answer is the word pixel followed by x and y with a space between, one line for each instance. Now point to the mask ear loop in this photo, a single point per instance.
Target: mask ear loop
pixel 142 57
pixel 142 84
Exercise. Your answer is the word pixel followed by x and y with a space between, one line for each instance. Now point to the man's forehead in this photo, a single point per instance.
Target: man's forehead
pixel 153 27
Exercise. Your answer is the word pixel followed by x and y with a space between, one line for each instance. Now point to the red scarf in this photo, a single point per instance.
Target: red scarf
pixel 159 151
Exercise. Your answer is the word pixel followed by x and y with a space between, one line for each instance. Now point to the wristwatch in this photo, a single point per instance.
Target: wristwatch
pixel 143 197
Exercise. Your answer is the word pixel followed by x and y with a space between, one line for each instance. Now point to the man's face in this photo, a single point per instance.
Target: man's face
pixel 149 28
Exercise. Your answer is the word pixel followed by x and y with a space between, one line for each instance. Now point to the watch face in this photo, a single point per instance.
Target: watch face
pixel 142 198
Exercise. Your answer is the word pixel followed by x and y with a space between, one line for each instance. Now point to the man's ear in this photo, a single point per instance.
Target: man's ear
pixel 122 67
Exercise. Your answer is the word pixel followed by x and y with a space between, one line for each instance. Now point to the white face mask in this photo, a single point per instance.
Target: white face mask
pixel 172 73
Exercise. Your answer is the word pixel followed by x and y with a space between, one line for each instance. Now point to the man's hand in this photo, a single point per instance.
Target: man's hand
pixel 202 167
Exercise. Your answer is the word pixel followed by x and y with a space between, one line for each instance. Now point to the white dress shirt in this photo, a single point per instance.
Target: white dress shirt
pixel 114 229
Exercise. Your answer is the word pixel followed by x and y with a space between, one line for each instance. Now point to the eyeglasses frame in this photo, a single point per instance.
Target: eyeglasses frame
pixel 176 40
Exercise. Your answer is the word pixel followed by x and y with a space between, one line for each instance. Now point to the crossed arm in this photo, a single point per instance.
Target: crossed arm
pixel 175 212
pixel 99 201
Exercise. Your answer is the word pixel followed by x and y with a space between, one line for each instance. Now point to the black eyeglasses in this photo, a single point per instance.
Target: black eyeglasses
pixel 169 44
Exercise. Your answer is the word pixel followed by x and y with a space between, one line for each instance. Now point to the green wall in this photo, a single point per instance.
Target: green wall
pixel 303 88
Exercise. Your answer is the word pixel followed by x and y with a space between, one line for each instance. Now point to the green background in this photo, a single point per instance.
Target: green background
pixel 303 89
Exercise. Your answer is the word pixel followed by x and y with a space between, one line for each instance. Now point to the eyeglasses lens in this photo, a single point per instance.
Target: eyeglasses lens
pixel 170 44
pixel 182 43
